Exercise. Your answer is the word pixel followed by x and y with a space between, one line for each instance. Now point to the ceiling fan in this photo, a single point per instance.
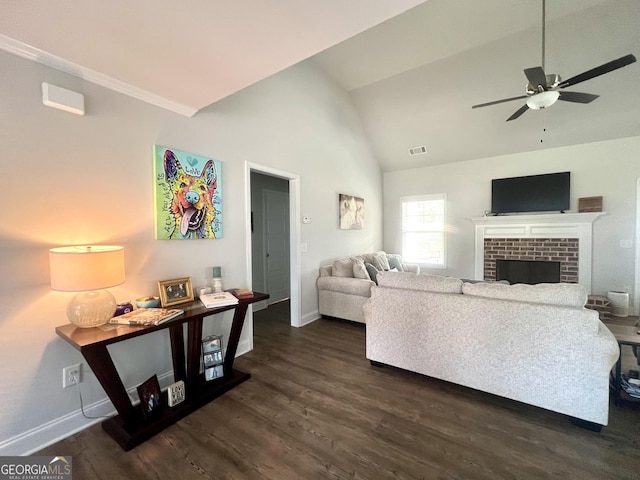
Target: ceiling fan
pixel 543 90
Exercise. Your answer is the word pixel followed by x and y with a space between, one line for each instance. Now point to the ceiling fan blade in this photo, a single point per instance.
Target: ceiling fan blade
pixel 536 76
pixel 518 112
pixel 597 71
pixel 495 102
pixel 577 97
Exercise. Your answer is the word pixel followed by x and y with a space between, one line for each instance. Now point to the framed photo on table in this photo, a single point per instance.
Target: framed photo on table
pixel 176 291
pixel 150 398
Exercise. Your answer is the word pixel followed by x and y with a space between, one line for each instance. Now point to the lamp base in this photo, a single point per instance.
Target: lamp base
pixel 91 309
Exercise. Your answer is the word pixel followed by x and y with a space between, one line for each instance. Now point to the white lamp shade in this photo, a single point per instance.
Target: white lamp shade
pixel 543 99
pixel 82 268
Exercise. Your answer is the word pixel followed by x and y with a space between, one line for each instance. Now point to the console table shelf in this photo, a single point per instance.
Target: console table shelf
pixel 129 428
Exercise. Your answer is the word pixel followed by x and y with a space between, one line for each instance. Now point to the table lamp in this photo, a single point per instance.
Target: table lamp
pixel 87 270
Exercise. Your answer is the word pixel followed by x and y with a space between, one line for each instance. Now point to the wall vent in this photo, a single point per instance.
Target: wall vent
pixel 418 150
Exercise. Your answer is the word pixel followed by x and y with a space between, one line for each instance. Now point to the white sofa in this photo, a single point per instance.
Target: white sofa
pixel 536 344
pixel 345 285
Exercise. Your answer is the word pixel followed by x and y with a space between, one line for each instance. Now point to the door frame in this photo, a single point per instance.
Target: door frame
pixel 294 234
pixel 636 280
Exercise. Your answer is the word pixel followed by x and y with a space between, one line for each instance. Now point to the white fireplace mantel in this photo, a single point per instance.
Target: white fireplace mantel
pixel 553 225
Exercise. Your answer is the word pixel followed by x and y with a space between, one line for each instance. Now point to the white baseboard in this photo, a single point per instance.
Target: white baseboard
pixel 52 432
pixel 308 318
pixel 60 428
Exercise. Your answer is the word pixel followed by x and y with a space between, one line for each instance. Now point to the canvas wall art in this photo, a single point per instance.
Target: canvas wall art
pixel 188 195
pixel 351 212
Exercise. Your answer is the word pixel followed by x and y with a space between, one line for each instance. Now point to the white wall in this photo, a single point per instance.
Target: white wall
pixel 606 168
pixel 67 179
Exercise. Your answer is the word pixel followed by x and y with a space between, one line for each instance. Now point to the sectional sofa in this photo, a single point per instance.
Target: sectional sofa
pixel 345 285
pixel 536 344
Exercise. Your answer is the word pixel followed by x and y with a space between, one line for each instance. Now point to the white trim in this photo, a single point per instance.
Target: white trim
pixel 294 235
pixel 555 225
pixel 636 282
pixel 310 317
pixel 34 440
pixel 34 54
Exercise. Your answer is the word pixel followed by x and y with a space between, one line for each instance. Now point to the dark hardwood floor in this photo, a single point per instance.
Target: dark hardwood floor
pixel 315 408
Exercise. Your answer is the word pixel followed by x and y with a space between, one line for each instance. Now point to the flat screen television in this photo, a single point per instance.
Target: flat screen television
pixel 534 193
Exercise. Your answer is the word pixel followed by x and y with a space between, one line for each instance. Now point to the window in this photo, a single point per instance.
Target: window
pixel 423 230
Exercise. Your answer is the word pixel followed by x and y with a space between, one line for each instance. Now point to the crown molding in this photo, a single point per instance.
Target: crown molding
pixel 34 54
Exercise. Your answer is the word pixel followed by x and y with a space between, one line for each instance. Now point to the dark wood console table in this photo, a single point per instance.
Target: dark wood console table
pixel 129 428
pixel 625 335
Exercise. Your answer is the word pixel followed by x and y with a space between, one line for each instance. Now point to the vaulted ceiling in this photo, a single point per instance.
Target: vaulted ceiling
pixel 414 68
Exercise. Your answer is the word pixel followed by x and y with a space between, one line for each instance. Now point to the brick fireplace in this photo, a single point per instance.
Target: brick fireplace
pixel 562 250
pixel 564 238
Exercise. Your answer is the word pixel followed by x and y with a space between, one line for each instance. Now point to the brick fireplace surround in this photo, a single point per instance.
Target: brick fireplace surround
pixel 563 250
pixel 557 237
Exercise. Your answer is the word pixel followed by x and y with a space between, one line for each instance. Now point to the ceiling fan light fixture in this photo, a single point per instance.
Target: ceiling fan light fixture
pixel 543 99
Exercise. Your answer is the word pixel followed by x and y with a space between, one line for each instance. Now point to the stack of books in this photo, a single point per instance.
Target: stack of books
pixel 631 386
pixel 242 293
pixel 220 299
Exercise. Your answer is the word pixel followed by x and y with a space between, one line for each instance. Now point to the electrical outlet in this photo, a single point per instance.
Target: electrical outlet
pixel 71 375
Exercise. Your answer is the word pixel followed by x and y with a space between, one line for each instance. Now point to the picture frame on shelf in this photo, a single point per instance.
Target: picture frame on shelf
pixel 150 398
pixel 176 291
pixel 212 343
pixel 212 357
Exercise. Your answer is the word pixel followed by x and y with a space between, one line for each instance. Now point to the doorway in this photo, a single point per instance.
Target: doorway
pixel 272 247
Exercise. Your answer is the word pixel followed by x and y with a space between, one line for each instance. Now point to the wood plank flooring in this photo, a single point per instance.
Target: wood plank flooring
pixel 315 408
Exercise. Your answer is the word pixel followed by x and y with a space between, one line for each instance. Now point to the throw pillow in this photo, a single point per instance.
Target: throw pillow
pixel 359 270
pixel 380 261
pixel 395 262
pixel 372 271
pixel 343 268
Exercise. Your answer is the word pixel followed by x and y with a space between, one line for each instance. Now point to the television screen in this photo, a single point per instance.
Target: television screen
pixel 535 193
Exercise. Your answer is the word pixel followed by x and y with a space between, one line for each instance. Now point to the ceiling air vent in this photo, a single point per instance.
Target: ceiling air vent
pixel 418 150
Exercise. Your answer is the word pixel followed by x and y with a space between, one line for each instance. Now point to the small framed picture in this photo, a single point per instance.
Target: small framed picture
pixel 212 357
pixel 174 292
pixel 214 372
pixel 150 398
pixel 212 343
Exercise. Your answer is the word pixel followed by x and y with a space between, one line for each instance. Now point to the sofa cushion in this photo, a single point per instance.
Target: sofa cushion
pixel 350 286
pixel 359 270
pixel 380 261
pixel 395 262
pixel 563 294
pixel 411 281
pixel 372 271
pixel 343 268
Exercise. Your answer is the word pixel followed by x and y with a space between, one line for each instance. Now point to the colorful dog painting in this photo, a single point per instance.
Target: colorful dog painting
pixel 188 195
